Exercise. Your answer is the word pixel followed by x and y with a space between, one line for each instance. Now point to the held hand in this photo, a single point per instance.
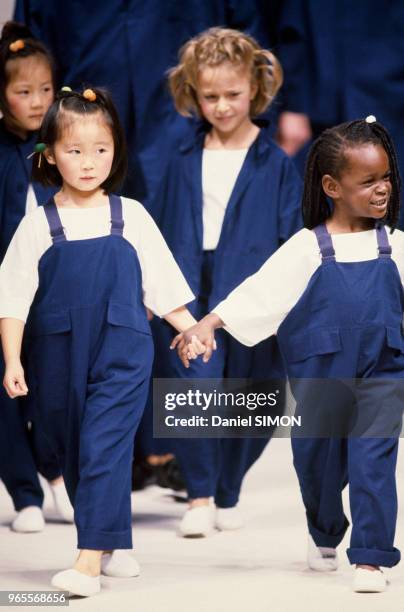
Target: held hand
pixel 202 332
pixel 14 380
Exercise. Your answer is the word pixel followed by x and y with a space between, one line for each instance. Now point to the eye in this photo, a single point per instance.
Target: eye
pixel 102 150
pixel 234 94
pixel 210 98
pixel 23 92
pixel 74 151
pixel 387 177
pixel 47 89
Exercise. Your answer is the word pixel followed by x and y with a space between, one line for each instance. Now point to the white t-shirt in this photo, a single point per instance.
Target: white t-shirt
pixel 164 286
pixel 31 203
pixel 256 308
pixel 220 169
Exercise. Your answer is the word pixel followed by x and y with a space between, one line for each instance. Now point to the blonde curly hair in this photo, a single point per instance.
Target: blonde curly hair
pixel 214 47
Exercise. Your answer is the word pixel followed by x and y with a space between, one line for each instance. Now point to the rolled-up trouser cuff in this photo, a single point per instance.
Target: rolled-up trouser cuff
pixel 327 540
pixel 372 556
pixel 228 501
pixel 23 501
pixel 91 539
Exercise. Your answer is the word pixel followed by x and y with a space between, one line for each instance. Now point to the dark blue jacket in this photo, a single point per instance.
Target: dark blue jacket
pixel 15 173
pixel 264 210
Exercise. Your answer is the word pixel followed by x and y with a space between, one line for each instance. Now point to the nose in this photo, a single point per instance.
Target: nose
pixel 87 163
pixel 222 105
pixel 382 187
pixel 36 100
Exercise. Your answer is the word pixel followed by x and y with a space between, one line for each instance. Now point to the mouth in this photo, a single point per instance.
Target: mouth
pixel 87 178
pixel 40 116
pixel 380 204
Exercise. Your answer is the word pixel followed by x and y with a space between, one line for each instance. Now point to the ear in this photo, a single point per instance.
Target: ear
pixel 48 153
pixel 254 89
pixel 330 186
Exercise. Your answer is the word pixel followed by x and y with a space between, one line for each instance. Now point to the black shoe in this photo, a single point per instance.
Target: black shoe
pixel 143 475
pixel 169 476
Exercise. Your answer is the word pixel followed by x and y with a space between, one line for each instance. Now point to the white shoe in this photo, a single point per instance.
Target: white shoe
pixel 369 581
pixel 119 564
pixel 76 583
pixel 62 503
pixel 320 558
pixel 198 522
pixel 229 518
pixel 29 520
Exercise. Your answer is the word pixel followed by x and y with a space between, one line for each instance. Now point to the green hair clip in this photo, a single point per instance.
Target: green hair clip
pixel 39 148
pixel 66 88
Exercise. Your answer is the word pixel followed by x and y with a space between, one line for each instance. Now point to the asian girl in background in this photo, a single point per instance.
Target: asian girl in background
pixel 229 199
pixel 333 295
pixel 83 267
pixel 26 92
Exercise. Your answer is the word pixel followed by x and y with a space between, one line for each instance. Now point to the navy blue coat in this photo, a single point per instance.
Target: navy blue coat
pixel 128 46
pixel 264 210
pixel 15 173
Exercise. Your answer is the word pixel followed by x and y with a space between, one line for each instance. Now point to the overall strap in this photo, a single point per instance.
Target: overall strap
pixel 55 225
pixel 325 243
pixel 117 223
pixel 383 244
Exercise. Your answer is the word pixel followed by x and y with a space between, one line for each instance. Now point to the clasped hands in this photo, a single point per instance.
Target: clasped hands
pixel 197 340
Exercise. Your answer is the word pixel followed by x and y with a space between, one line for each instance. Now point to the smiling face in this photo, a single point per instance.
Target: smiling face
pixel 84 153
pixel 29 92
pixel 224 95
pixel 364 188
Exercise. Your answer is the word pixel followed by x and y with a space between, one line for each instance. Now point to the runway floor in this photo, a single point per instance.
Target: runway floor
pixel 260 568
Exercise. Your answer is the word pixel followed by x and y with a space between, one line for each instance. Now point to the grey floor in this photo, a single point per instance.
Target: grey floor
pixel 260 568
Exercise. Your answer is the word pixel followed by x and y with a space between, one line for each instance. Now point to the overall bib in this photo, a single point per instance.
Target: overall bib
pixel 92 353
pixel 347 325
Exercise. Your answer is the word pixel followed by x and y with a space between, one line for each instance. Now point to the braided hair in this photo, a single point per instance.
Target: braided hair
pixel 327 156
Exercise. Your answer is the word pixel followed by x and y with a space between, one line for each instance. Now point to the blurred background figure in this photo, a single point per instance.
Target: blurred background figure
pixel 342 61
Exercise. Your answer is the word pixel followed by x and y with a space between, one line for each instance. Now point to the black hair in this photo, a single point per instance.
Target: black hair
pixel 327 156
pixel 57 119
pixel 11 32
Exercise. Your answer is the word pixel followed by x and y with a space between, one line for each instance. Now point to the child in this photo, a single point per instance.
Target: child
pixel 235 197
pixel 83 266
pixel 26 92
pixel 333 295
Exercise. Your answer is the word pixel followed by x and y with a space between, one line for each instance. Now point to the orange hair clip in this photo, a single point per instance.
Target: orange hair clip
pixel 16 45
pixel 89 95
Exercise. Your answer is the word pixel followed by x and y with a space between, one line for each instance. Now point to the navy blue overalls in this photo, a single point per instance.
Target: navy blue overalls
pixel 92 353
pixel 23 452
pixel 347 325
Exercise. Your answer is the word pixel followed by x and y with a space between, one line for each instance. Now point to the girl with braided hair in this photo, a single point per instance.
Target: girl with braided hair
pixel 333 296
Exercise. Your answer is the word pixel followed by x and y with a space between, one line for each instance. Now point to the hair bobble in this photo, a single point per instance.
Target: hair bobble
pixel 370 119
pixel 89 95
pixel 17 45
pixel 39 148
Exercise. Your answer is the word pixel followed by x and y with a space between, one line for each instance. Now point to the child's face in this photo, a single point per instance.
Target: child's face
pixel 224 94
pixel 29 92
pixel 364 187
pixel 84 153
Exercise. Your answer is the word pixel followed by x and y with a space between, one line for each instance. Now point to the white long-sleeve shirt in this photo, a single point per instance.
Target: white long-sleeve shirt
pixel 164 286
pixel 256 308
